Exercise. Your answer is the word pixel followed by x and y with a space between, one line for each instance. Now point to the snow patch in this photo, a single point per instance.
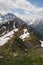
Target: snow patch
pixel 3 33
pixel 25 30
pixel 41 43
pixel 4 39
pixel 26 34
pixel 16 29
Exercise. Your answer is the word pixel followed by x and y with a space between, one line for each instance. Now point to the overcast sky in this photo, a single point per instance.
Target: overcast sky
pixel 27 9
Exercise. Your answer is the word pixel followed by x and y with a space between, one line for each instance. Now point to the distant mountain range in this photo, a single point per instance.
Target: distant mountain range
pixel 38 27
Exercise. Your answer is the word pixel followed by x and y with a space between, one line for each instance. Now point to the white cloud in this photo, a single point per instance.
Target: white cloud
pixel 6 5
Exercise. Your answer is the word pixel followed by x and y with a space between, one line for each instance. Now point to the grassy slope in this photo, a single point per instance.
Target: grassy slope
pixel 30 58
pixel 14 55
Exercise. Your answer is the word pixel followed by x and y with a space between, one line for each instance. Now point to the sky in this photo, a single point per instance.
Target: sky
pixel 38 3
pixel 25 9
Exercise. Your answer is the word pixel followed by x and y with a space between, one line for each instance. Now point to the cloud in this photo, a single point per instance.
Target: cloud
pixel 31 12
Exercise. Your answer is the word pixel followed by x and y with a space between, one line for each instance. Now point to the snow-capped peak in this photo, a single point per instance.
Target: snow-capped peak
pixel 6 17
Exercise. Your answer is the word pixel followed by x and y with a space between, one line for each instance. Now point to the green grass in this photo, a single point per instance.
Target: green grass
pixel 27 59
pixel 33 56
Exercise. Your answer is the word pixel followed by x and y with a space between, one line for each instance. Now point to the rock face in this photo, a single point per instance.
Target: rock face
pixel 27 39
pixel 9 22
pixel 25 42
